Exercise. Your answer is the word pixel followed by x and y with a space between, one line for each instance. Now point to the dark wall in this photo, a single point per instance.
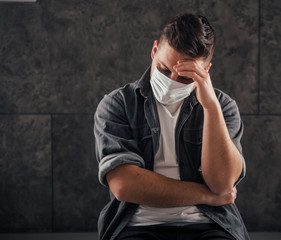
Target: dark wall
pixel 58 59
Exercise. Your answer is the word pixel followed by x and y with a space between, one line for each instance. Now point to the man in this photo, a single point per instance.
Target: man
pixel 168 145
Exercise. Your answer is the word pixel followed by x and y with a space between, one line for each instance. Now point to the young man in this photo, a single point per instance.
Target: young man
pixel 168 145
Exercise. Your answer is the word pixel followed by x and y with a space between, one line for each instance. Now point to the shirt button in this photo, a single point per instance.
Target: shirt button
pixel 155 130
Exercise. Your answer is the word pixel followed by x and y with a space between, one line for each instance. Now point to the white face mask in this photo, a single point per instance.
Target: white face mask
pixel 168 91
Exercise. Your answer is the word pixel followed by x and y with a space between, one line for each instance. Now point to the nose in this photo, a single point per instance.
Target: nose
pixel 174 75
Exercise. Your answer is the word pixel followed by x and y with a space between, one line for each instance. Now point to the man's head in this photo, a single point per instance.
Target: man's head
pixel 186 36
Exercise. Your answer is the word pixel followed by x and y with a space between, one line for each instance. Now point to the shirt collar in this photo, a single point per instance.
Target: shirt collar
pixel 144 83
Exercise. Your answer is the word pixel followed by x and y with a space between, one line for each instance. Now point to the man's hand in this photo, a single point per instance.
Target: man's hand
pixel 205 91
pixel 219 200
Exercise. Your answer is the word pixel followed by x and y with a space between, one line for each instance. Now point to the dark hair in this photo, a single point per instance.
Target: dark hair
pixel 190 34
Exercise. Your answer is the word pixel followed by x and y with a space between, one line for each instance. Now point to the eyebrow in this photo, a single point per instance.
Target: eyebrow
pixel 164 65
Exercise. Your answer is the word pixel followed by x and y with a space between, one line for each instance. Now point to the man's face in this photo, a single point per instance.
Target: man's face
pixel 164 57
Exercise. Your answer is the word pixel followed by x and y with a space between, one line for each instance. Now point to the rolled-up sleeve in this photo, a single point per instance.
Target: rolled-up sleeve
pixel 235 128
pixel 114 144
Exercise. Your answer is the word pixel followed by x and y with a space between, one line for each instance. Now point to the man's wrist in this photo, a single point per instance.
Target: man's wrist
pixel 213 108
pixel 205 195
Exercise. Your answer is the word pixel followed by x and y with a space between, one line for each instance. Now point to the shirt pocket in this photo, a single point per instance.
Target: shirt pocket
pixel 192 139
pixel 142 136
pixel 193 136
pixel 145 145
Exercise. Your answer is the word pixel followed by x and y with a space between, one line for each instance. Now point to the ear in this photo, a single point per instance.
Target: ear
pixel 154 49
pixel 209 66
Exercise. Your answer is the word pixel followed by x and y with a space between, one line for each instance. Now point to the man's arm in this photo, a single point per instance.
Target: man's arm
pixel 122 168
pixel 221 161
pixel 131 183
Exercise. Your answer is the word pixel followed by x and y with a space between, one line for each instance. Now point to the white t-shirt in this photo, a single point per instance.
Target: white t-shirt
pixel 165 163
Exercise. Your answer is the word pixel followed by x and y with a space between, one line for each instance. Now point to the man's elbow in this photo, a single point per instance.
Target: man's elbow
pixel 120 183
pixel 221 190
pixel 220 185
pixel 120 191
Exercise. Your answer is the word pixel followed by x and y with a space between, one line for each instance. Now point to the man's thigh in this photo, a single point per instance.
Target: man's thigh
pixel 203 232
pixel 188 232
pixel 148 233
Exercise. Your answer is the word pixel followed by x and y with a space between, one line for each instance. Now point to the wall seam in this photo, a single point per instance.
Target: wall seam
pixel 47 113
pixel 90 114
pixel 52 173
pixel 259 55
pixel 262 114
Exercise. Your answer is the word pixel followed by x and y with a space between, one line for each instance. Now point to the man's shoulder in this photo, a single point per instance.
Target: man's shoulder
pixel 223 97
pixel 127 89
pixel 130 89
pixel 227 103
pixel 119 98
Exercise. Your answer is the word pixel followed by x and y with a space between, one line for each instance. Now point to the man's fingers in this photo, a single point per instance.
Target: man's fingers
pixel 191 66
pixel 191 74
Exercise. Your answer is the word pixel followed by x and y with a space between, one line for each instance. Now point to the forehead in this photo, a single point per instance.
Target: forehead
pixel 170 56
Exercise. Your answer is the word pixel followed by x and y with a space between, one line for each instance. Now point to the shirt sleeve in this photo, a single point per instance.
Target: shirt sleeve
pixel 114 144
pixel 235 128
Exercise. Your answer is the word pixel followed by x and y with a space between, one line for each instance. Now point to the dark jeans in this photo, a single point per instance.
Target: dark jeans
pixel 210 231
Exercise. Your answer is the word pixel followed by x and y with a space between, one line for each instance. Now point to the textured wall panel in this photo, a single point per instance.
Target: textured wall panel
pixel 25 174
pixel 78 197
pixel 270 87
pixel 58 57
pixel 259 195
pixel 234 68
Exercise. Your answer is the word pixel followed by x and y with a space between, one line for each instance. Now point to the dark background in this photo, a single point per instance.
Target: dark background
pixel 58 59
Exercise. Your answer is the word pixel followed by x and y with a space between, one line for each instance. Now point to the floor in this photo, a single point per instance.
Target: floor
pixel 94 236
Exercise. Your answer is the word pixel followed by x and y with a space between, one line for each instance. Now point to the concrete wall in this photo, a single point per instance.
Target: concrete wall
pixel 58 59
